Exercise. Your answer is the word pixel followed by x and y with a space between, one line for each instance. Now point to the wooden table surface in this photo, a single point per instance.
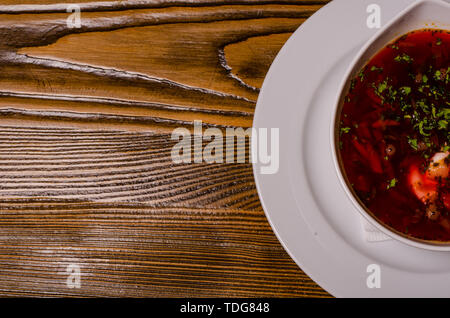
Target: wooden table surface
pixel 86 177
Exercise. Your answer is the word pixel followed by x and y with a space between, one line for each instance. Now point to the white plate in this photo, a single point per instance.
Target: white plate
pixel 306 206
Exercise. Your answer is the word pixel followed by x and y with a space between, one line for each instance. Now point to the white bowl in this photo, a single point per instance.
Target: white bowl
pixel 423 14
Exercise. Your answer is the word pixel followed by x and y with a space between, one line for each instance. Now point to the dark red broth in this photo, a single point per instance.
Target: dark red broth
pixel 393 135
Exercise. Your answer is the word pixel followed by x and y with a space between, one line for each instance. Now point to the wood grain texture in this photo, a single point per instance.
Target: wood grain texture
pixel 86 175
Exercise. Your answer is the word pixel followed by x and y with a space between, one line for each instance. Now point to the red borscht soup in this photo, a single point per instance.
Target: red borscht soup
pixel 394 139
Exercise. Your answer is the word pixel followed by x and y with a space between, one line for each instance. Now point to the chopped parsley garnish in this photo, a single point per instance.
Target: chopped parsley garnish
pixel 404 58
pixel 382 86
pixel 413 143
pixel 443 124
pixel 405 90
pixel 377 69
pixel 392 184
pixel 345 130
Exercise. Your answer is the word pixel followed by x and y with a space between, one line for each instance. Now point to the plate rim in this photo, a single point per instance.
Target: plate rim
pixel 318 278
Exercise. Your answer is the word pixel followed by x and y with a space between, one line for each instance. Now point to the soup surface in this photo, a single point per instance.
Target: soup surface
pixel 394 137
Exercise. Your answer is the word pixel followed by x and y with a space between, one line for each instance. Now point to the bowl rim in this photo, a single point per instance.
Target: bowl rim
pixel 343 88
